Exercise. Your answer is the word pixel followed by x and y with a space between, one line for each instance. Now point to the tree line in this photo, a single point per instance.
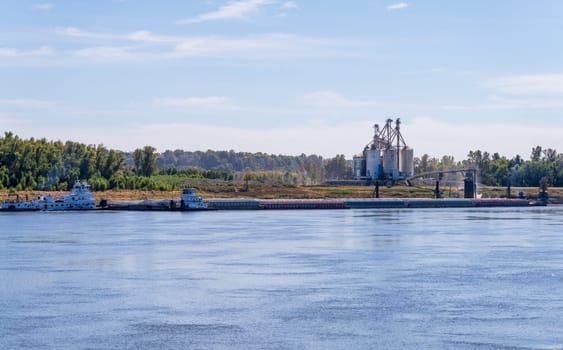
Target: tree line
pixel 496 170
pixel 55 165
pixel 231 161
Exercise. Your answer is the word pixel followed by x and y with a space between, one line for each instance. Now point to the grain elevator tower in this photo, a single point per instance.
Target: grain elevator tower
pixel 386 156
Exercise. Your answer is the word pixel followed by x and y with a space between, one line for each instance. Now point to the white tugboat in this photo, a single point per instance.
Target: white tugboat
pixel 80 198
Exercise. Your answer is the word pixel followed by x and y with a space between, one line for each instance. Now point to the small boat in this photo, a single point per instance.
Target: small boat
pixel 80 198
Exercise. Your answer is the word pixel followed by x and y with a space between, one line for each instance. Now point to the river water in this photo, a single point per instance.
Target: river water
pixel 319 279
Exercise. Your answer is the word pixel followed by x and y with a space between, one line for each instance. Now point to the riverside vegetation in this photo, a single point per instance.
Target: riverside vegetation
pixel 32 165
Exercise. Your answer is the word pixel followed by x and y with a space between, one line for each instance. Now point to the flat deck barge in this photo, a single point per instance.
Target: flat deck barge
pixel 288 204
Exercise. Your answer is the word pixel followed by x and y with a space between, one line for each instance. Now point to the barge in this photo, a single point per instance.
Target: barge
pixel 305 204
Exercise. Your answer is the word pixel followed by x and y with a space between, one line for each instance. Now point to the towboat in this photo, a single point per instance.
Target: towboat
pixel 190 201
pixel 80 198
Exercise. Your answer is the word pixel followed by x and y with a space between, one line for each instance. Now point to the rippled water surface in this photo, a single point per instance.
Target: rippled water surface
pixel 341 279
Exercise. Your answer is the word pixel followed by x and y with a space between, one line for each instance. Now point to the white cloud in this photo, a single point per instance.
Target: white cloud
pixel 142 36
pixel 535 85
pixel 72 31
pixel 239 9
pixel 399 6
pixel 148 37
pixel 263 46
pixel 43 6
pixel 9 52
pixel 220 46
pixel 13 52
pixel 289 5
pixel 30 103
pixel 267 46
pixel 206 102
pixel 518 92
pixel 330 99
pixel 503 103
pixel 107 53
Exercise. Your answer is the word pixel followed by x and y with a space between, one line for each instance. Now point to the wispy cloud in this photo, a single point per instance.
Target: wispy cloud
pixel 137 36
pixel 27 103
pixel 398 6
pixel 518 92
pixel 330 99
pixel 497 103
pixel 13 52
pixel 43 6
pixel 144 44
pixel 205 102
pixel 289 5
pixel 270 46
pixel 535 85
pixel 108 53
pixel 239 9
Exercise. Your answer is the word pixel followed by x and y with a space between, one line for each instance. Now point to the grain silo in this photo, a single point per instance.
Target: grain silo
pixel 407 162
pixel 359 166
pixel 390 163
pixel 373 163
pixel 386 157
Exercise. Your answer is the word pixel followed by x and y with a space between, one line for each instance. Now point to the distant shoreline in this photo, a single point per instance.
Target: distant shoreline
pixel 260 191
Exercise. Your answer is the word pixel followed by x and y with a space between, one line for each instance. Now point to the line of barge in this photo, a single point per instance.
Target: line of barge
pixel 80 198
pixel 310 204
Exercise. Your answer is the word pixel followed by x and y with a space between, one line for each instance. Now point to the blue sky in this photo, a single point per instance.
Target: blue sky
pixel 285 77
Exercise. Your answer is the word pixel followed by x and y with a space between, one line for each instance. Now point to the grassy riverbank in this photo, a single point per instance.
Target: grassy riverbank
pixel 237 190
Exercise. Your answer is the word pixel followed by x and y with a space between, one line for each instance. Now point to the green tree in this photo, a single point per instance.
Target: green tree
pixel 337 168
pixel 145 161
pixel 536 154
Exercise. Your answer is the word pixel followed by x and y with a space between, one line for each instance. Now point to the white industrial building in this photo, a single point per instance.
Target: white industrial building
pixel 386 157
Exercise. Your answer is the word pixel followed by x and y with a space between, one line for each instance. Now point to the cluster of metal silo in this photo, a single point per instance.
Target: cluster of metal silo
pixel 386 157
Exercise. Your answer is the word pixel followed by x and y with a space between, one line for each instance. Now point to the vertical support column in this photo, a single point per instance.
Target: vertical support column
pixel 474 183
pixel 470 187
pixel 398 130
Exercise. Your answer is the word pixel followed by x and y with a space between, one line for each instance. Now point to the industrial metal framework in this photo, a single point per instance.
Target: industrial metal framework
pixel 388 136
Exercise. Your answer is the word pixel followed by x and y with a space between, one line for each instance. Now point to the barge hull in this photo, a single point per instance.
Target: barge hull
pixel 314 204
